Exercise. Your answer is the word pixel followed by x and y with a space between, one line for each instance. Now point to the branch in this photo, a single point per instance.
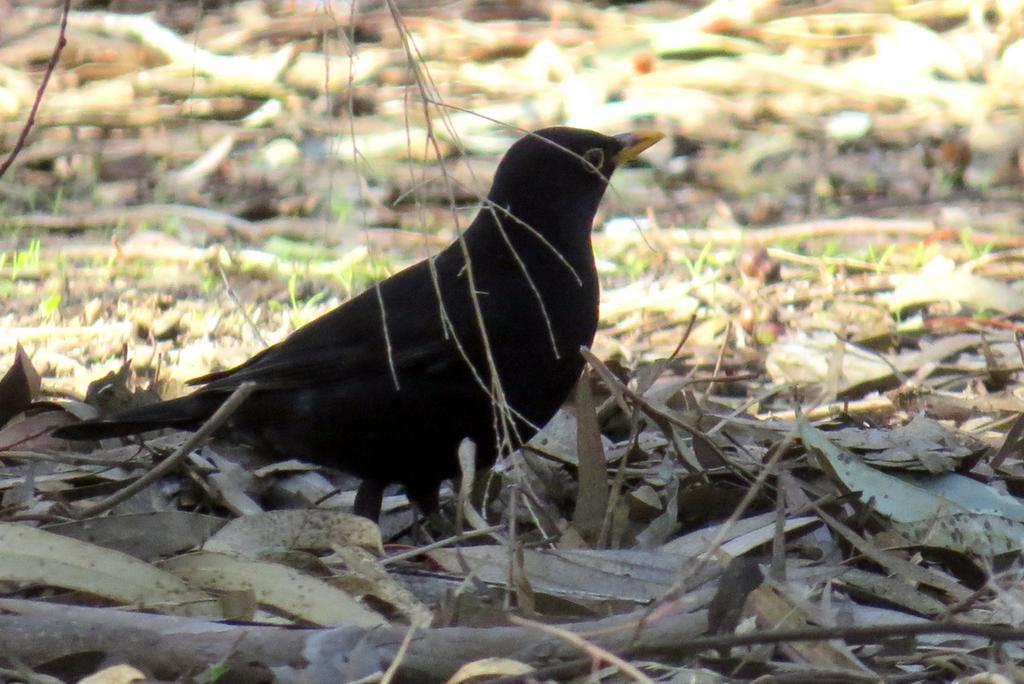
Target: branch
pixel 57 49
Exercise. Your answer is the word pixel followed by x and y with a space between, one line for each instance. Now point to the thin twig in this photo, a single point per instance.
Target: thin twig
pixel 62 40
pixel 238 304
pixel 144 213
pixel 396 663
pixel 440 544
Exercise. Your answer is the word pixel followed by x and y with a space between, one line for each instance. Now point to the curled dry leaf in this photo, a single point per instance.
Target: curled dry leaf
pixel 366 576
pixel 252 536
pixel 490 667
pixel 301 596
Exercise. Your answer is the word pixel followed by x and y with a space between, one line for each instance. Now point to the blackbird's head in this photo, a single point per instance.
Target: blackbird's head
pixel 553 179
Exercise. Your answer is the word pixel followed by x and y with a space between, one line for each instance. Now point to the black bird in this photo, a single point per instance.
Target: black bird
pixel 480 341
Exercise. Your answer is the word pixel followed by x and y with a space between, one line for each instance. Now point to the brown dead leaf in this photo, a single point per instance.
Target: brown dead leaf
pixel 19 385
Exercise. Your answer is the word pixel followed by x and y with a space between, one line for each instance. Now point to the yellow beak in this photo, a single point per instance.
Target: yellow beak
pixel 635 142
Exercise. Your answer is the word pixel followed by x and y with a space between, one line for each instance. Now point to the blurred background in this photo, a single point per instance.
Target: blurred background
pixel 195 161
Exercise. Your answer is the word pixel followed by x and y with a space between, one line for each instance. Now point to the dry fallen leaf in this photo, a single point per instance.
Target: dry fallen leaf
pixel 36 557
pixel 302 596
pixel 18 386
pixel 253 536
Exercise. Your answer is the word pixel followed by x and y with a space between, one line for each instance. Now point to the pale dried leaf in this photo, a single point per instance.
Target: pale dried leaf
pixel 285 589
pixel 118 674
pixel 366 575
pixel 742 535
pixel 942 281
pixel 42 558
pixel 252 536
pixel 581 574
pixel 490 667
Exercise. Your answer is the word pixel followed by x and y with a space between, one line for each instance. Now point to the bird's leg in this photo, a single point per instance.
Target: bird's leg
pixel 424 497
pixel 368 499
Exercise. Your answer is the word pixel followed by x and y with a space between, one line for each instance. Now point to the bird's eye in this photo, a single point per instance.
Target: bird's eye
pixel 594 158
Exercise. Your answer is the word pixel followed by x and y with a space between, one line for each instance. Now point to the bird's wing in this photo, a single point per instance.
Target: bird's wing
pixel 350 342
pixel 331 365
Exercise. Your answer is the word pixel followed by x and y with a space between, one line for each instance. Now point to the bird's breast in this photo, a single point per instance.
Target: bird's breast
pixel 534 322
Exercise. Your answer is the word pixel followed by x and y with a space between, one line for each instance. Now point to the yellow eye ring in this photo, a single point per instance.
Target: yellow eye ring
pixel 594 158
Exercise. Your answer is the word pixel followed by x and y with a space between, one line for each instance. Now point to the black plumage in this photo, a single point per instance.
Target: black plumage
pixel 480 341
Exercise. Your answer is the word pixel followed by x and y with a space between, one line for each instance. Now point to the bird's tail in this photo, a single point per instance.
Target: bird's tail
pixel 185 413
